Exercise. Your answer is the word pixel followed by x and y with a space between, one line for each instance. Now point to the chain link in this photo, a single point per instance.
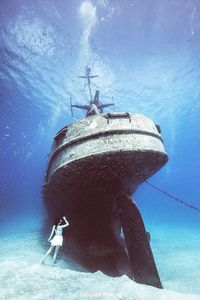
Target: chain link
pixel 173 197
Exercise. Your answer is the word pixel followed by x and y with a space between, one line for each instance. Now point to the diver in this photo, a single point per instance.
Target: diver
pixel 57 240
pixel 95 107
pixel 92 110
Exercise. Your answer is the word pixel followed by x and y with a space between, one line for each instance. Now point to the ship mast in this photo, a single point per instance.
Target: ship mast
pixel 95 107
pixel 88 76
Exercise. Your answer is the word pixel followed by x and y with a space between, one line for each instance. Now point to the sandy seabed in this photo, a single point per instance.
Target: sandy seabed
pixel 22 276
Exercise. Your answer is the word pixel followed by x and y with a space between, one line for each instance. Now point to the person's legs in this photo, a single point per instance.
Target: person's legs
pixel 55 253
pixel 48 252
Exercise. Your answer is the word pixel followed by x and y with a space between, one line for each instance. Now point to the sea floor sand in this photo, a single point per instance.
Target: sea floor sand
pixel 22 276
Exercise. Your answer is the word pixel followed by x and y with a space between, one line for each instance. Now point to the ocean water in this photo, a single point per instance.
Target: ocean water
pixel 147 56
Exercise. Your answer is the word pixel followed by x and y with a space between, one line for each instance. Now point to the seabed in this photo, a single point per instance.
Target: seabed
pixel 23 276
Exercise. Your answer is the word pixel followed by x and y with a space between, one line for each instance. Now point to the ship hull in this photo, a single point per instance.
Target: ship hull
pixel 104 152
pixel 92 162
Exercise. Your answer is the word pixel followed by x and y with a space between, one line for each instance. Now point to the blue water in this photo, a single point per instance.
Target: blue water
pixel 147 56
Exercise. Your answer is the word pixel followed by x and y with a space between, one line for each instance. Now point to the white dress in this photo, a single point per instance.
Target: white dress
pixel 58 238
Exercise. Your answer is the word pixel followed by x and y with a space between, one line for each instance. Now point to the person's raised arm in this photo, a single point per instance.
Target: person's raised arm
pixel 52 232
pixel 66 223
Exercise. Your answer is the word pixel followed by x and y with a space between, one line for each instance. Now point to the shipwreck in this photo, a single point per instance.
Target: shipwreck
pixel 94 167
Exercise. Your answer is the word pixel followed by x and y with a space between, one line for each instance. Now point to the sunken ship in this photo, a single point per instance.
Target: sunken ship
pixel 94 167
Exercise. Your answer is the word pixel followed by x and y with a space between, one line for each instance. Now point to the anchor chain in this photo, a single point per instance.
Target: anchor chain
pixel 173 197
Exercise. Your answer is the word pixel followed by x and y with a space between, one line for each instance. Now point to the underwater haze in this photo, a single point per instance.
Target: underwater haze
pixel 147 56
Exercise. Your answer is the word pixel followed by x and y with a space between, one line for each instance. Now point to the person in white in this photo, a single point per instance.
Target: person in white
pixel 57 240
